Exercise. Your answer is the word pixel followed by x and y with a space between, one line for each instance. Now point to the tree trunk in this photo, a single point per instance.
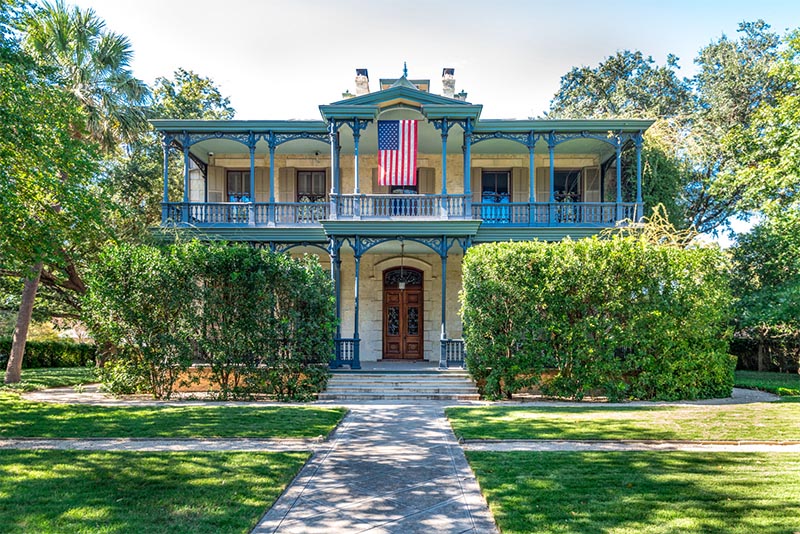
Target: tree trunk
pixel 761 356
pixel 14 368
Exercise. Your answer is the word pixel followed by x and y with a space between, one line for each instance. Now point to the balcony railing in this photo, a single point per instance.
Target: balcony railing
pixel 346 352
pixel 555 213
pixel 400 207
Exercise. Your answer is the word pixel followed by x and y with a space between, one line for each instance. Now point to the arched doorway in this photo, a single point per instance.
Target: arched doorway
pixel 402 314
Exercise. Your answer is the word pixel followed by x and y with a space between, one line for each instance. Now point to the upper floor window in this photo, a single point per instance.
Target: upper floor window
pixel 238 186
pixel 567 185
pixel 495 186
pixel 311 186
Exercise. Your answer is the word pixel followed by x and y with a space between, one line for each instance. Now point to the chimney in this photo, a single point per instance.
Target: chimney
pixel 461 96
pixel 448 82
pixel 362 82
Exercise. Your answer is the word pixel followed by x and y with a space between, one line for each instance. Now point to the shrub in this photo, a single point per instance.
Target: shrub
pixel 40 354
pixel 263 322
pixel 139 302
pixel 619 317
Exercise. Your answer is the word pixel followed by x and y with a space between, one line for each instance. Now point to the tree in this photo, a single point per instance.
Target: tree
pixel 135 177
pixel 40 211
pixel 697 118
pixel 767 285
pixel 630 85
pixel 732 84
pixel 627 84
pixel 768 149
pixel 85 94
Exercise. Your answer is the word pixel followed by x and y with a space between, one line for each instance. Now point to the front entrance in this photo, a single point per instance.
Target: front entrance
pixel 402 314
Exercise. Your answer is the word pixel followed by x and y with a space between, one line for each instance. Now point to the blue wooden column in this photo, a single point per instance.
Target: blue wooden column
pixel 185 209
pixel 166 143
pixel 443 125
pixel 251 145
pixel 531 144
pixel 272 145
pixel 443 335
pixel 468 168
pixel 639 203
pixel 333 136
pixel 357 251
pixel 618 149
pixel 356 125
pixel 551 147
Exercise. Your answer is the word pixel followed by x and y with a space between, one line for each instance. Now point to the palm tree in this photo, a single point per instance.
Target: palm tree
pixel 92 64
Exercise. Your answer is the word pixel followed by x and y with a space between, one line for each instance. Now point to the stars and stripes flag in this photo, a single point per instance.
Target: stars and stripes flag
pixel 397 152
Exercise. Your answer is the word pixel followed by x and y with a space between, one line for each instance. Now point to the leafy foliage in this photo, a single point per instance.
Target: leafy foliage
pixel 767 284
pixel 621 317
pixel 262 322
pixel 695 157
pixel 45 354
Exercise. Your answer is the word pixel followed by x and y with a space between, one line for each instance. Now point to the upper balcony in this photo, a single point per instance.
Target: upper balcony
pixel 418 207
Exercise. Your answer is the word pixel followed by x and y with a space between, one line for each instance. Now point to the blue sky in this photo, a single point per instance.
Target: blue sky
pixel 280 59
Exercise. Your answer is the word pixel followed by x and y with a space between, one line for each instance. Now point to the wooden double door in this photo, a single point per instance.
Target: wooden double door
pixel 403 332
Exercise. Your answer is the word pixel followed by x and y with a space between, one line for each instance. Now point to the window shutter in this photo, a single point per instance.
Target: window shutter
pixel 475 185
pixel 591 184
pixel 216 184
pixel 543 184
pixel 519 184
pixel 427 181
pixel 611 185
pixel 287 181
pixel 262 184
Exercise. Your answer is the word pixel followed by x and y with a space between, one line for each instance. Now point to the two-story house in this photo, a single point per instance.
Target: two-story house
pixel 395 252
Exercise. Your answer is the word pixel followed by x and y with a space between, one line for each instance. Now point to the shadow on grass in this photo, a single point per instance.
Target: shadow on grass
pixel 32 419
pixel 641 493
pixel 112 492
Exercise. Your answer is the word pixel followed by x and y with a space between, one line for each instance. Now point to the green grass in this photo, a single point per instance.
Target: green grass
pixel 33 379
pixel 780 383
pixel 640 492
pixel 760 421
pixel 146 493
pixel 19 418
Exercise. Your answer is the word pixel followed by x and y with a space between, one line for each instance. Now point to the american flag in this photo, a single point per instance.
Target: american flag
pixel 397 152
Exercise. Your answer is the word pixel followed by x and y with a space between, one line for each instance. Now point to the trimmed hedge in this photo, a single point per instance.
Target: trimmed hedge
pixel 263 322
pixel 39 354
pixel 618 317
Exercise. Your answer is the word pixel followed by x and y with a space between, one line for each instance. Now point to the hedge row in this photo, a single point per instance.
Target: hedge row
pixel 50 354
pixel 617 317
pixel 262 322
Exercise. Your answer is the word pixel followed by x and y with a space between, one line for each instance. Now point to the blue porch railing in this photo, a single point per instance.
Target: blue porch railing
pixel 555 213
pixel 346 352
pixel 391 207
pixel 452 353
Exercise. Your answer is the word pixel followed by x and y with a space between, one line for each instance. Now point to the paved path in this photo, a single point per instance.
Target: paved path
pixel 389 468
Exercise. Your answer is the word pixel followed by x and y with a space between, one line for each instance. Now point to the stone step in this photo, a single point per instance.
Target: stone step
pixel 354 396
pixel 398 386
pixel 454 390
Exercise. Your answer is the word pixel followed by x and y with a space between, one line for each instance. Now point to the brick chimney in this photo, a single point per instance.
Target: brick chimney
pixel 362 82
pixel 448 82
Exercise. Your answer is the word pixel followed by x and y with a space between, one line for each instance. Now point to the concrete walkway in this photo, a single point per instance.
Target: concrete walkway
pixel 389 468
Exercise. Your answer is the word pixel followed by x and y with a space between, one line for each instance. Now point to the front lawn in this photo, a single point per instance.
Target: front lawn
pixel 640 492
pixel 780 383
pixel 146 493
pixel 761 421
pixel 55 377
pixel 20 418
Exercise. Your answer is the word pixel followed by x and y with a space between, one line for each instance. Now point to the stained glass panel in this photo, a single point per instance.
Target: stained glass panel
pixel 413 321
pixel 393 321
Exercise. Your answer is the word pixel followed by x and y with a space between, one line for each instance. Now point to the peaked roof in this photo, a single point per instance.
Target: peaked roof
pixel 401 92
